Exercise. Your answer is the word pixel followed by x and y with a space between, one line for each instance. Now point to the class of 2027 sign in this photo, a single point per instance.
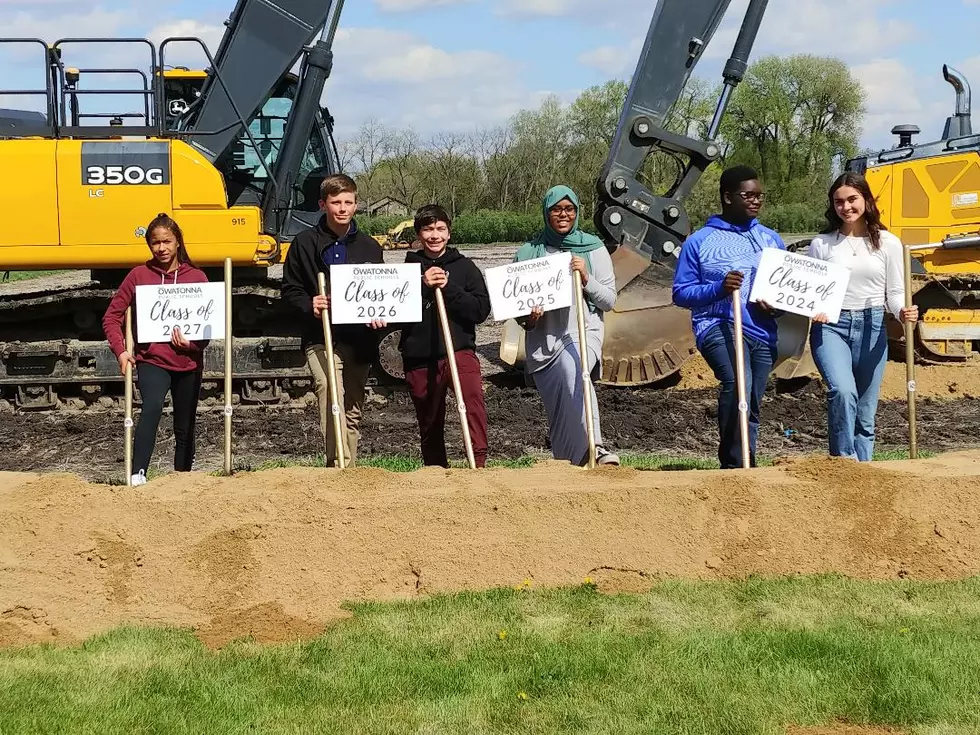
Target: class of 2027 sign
pixel 197 309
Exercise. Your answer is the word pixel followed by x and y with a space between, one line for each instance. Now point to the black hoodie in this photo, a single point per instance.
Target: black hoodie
pixel 467 304
pixel 304 260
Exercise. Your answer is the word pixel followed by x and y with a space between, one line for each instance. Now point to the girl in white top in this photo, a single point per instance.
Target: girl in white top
pixel 851 353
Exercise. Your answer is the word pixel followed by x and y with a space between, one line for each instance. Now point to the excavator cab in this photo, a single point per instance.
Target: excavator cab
pixel 246 168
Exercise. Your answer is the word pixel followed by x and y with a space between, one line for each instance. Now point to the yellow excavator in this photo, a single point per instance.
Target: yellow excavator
pixel 235 152
pixel 399 237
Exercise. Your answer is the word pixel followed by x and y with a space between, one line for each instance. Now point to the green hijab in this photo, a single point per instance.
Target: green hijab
pixel 575 242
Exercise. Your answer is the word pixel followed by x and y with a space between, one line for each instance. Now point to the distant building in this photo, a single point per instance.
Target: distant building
pixel 384 205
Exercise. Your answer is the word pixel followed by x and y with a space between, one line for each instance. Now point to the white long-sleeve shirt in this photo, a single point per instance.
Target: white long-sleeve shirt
pixel 877 276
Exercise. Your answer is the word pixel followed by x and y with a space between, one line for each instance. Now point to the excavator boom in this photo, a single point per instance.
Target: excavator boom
pixel 263 40
pixel 647 337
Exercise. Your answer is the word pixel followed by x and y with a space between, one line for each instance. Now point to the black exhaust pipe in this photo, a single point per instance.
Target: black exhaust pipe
pixel 960 123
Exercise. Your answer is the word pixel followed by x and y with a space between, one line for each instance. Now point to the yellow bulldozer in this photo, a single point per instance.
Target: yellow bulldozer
pixel 929 196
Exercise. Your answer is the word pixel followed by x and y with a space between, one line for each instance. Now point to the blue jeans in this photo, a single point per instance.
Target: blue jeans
pixel 718 349
pixel 851 356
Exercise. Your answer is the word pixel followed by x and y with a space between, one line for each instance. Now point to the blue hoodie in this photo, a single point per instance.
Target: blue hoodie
pixel 706 257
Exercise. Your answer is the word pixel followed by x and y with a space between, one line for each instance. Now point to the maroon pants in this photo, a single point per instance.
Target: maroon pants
pixel 428 386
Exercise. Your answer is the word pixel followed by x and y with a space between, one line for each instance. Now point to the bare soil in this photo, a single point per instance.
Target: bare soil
pixel 274 554
pixel 676 422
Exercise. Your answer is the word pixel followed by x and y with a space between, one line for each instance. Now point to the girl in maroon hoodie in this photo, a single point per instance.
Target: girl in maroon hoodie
pixel 175 366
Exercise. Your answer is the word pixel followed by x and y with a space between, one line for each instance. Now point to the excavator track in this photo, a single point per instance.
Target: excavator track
pixel 53 352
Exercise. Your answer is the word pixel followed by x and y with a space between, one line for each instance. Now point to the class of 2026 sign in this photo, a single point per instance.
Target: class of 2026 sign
pixel 361 293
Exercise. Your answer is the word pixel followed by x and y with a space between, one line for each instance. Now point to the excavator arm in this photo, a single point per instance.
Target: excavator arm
pixel 264 40
pixel 647 337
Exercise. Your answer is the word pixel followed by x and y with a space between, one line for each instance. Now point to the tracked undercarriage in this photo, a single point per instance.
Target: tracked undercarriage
pixel 71 366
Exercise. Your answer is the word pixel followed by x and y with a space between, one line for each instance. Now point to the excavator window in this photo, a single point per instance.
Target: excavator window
pixel 268 129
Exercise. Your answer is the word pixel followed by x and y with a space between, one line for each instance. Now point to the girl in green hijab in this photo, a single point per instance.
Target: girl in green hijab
pixel 551 340
pixel 579 244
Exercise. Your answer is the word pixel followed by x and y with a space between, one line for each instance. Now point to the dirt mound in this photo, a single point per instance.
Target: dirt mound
pixel 932 381
pixel 275 554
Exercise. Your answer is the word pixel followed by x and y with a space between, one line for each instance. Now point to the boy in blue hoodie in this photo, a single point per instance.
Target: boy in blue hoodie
pixel 715 261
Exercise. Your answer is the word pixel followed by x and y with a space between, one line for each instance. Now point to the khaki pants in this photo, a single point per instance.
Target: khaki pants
pixel 351 382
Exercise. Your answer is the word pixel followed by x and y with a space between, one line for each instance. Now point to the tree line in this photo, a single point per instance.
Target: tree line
pixel 790 118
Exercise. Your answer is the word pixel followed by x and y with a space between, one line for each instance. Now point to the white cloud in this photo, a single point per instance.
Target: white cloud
pixel 187 53
pixel 395 56
pixel 623 14
pixel 403 80
pixel 51 26
pixel 971 67
pixel 551 8
pixel 617 61
pixel 891 100
pixel 815 26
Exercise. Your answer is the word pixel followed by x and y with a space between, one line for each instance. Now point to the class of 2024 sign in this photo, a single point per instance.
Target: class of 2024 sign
pixel 800 284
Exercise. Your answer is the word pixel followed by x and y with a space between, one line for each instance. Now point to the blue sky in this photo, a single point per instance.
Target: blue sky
pixel 456 65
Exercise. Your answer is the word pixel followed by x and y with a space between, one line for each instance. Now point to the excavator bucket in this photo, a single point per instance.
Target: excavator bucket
pixel 647 338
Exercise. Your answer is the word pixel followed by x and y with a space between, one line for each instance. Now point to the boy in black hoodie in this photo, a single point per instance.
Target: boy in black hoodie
pixel 334 241
pixel 423 349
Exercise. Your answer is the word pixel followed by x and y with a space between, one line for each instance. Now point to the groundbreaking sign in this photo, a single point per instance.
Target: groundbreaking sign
pixel 361 293
pixel 197 309
pixel 800 284
pixel 517 288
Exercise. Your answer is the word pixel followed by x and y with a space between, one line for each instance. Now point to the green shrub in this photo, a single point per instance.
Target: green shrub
pixel 800 217
pixel 487 226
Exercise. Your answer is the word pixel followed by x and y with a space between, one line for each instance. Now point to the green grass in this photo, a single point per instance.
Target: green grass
pixel 392 463
pixel 403 463
pixel 10 276
pixel 738 657
pixel 640 461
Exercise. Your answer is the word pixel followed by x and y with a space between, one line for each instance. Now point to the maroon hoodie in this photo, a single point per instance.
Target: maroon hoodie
pixel 161 354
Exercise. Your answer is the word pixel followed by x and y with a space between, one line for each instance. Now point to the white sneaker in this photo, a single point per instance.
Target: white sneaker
pixel 138 479
pixel 604 456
